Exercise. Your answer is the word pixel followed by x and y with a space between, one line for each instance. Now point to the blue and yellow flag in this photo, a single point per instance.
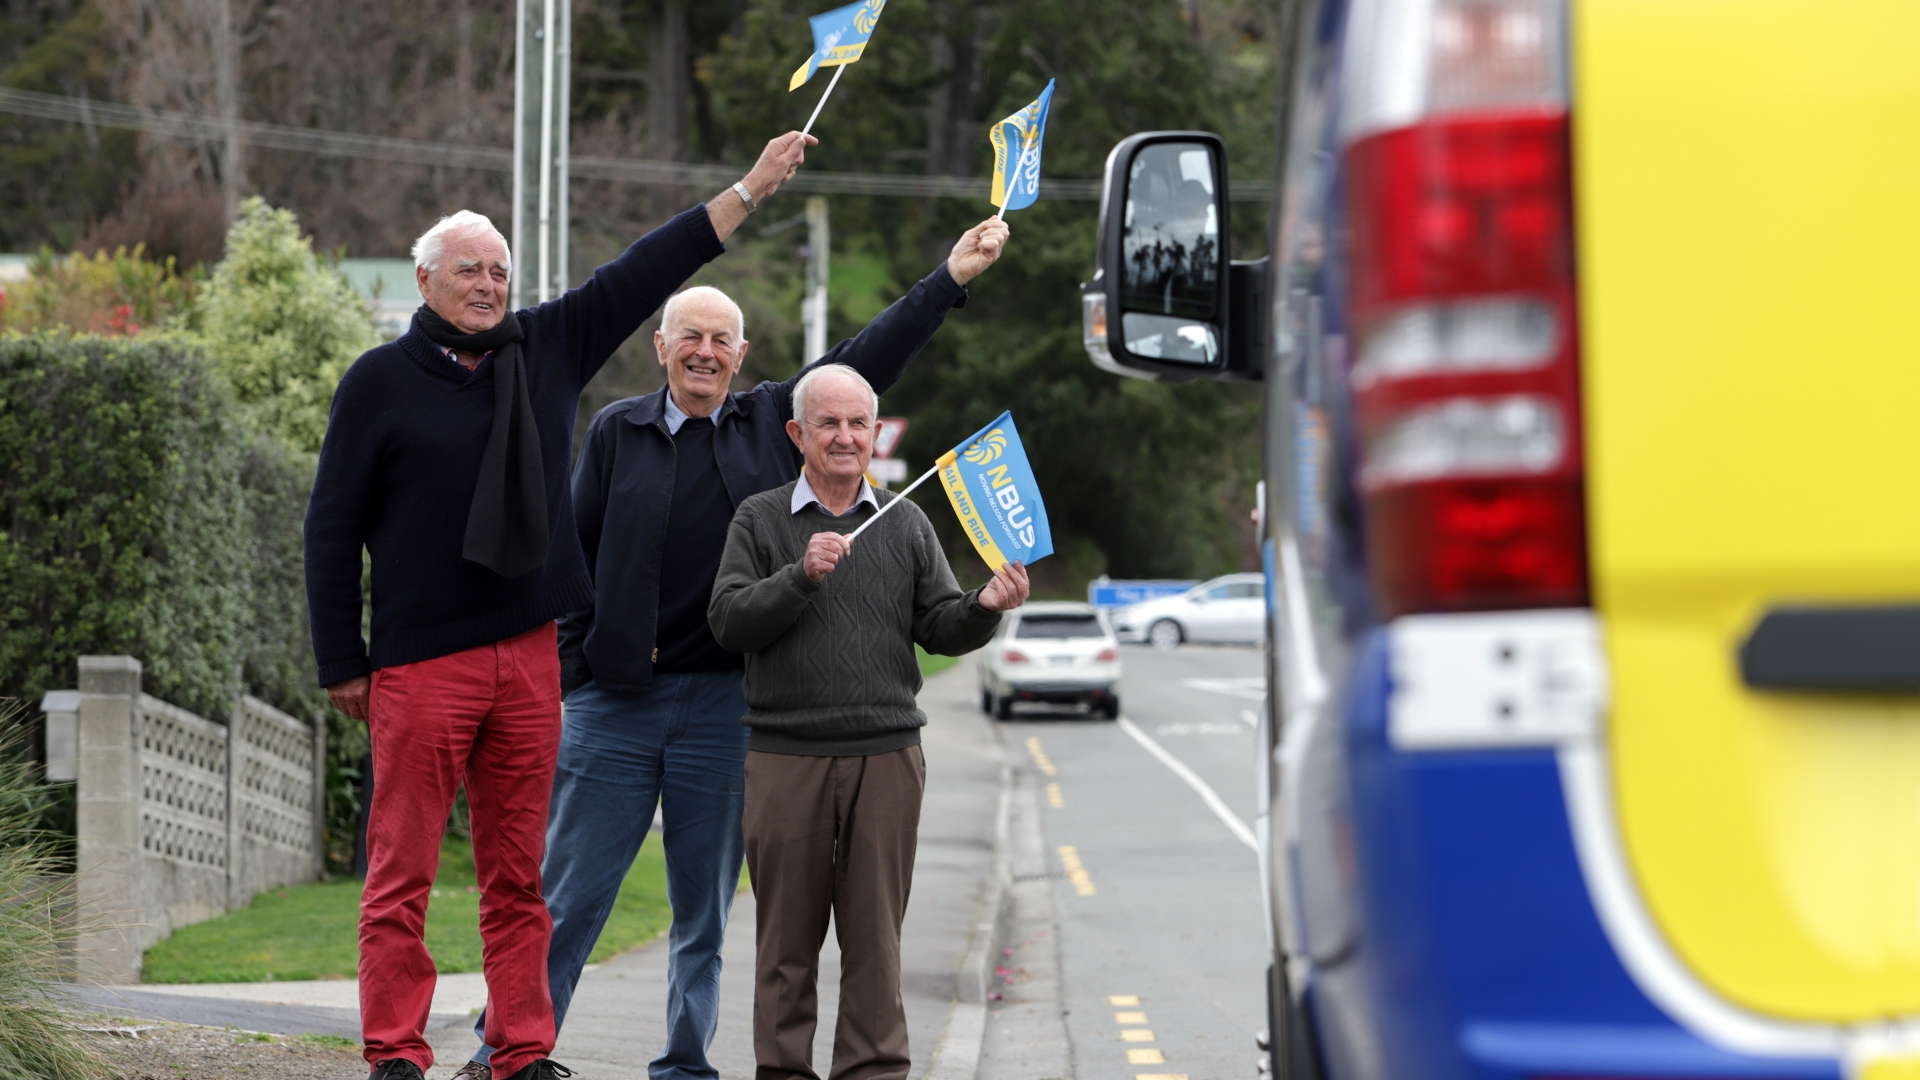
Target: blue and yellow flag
pixel 839 37
pixel 992 489
pixel 1016 154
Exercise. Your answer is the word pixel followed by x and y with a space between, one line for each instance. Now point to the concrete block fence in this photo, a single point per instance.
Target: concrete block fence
pixel 182 819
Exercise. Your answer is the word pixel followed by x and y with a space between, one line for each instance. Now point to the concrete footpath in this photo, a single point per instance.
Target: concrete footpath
pixel 617 1021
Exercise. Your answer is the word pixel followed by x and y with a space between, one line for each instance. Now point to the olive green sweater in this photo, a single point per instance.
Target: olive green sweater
pixel 830 667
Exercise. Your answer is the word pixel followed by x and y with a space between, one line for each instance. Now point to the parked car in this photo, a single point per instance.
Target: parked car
pixel 1052 652
pixel 1231 609
pixel 1594 661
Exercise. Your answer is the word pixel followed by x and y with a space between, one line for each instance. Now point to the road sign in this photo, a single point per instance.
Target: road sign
pixel 887 438
pixel 1102 592
pixel 888 470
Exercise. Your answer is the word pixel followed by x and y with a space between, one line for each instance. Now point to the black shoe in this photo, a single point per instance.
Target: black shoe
pixel 544 1069
pixel 396 1069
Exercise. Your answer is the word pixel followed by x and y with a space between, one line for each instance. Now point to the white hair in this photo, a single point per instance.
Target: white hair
pixel 669 315
pixel 804 388
pixel 432 245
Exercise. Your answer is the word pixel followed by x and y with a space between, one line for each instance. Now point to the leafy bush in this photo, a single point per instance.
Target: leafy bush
pixel 120 294
pixel 142 518
pixel 38 1038
pixel 281 326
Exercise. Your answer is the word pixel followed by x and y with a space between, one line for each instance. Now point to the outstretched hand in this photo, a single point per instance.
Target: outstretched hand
pixel 977 249
pixel 1007 590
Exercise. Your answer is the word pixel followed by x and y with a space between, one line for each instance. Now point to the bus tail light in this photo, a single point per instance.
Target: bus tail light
pixel 1465 377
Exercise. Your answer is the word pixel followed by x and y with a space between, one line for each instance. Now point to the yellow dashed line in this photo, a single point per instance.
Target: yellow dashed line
pixel 1054 798
pixel 1145 1056
pixel 1130 1018
pixel 1076 873
pixel 1136 1055
pixel 1136 1035
pixel 1159 1076
pixel 1123 999
pixel 1040 756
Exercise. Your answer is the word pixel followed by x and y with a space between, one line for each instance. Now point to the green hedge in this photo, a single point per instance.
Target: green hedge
pixel 141 516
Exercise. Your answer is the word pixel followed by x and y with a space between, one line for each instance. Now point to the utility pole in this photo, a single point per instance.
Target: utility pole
pixel 224 44
pixel 541 107
pixel 813 303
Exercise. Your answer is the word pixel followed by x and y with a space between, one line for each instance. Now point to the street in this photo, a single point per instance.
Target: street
pixel 1159 964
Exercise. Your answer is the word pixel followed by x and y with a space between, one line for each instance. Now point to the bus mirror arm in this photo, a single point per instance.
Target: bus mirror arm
pixel 1248 318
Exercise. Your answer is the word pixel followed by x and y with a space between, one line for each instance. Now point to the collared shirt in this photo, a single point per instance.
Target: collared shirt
pixel 803 494
pixel 674 416
pixel 455 357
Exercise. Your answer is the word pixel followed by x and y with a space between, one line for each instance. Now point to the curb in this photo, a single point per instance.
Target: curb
pixel 957 1054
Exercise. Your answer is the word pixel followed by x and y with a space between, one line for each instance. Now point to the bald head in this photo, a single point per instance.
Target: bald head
pixel 704 302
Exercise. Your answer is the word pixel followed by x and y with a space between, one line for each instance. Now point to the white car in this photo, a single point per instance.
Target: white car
pixel 1229 610
pixel 1054 652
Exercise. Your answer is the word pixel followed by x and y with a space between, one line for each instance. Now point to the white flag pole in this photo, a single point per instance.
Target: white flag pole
pixel 823 98
pixel 895 502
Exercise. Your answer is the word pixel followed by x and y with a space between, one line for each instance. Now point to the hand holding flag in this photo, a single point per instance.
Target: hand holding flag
pixel 1016 154
pixel 977 249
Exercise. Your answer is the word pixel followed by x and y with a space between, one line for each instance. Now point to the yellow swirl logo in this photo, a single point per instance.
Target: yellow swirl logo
pixel 989 448
pixel 868 16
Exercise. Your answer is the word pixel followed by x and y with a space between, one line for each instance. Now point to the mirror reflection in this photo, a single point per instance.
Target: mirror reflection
pixel 1171 254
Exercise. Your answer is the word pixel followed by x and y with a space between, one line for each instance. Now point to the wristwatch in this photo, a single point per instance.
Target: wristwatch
pixel 740 189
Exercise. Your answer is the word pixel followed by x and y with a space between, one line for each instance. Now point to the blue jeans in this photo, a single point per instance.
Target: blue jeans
pixel 681 747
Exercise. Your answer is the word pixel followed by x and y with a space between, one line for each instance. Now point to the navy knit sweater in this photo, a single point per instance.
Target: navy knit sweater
pixel 402 456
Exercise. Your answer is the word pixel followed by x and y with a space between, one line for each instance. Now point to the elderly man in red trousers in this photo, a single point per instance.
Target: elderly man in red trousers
pixel 445 461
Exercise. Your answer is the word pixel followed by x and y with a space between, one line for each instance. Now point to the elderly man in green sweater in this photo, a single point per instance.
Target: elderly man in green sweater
pixel 834 769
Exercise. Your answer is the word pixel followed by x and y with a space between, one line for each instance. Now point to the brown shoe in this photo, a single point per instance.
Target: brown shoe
pixel 473 1070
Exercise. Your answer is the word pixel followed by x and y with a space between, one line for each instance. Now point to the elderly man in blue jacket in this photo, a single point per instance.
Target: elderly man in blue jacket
pixel 653 704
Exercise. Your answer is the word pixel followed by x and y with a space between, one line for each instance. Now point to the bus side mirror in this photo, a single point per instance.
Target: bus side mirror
pixel 1165 301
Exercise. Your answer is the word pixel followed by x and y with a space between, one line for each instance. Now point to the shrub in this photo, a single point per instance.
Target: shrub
pixel 281 326
pixel 119 294
pixel 142 518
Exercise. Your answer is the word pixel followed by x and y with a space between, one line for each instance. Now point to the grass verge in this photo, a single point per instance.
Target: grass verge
pixel 931 665
pixel 312 931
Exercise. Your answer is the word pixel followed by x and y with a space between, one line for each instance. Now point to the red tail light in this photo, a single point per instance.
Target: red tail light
pixel 1106 656
pixel 1014 656
pixel 1465 373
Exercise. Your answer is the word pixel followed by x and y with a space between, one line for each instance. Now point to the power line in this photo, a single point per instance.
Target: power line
pixel 191 127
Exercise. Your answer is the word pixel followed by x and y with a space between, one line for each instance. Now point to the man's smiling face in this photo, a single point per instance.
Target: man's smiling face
pixel 836 435
pixel 469 288
pixel 701 348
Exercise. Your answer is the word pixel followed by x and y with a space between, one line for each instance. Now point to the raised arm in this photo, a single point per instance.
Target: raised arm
pixel 882 350
pixel 605 310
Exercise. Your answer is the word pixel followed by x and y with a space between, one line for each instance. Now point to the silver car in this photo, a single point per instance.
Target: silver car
pixel 1227 610
pixel 1053 652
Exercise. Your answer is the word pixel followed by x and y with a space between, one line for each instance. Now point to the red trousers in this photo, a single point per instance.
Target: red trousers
pixel 489 717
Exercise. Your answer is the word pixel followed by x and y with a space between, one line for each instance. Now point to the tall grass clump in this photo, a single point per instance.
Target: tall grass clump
pixel 39 1039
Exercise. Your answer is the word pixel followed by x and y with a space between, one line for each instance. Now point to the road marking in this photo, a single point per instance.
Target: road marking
pixel 1040 756
pixel 1130 1018
pixel 1184 728
pixel 1248 715
pixel 1253 688
pixel 1076 873
pixel 1145 1056
pixel 1213 801
pixel 1159 1076
pixel 1054 798
pixel 1136 1035
pixel 1123 999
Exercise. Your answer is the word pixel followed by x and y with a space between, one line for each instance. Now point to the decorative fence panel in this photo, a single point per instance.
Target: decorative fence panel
pixel 180 818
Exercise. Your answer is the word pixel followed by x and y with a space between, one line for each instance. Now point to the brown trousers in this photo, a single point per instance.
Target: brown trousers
pixel 831 835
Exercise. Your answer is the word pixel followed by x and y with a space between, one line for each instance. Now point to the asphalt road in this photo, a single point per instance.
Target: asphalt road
pixel 1157 954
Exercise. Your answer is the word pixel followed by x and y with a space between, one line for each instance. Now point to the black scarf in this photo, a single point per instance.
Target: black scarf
pixel 507 521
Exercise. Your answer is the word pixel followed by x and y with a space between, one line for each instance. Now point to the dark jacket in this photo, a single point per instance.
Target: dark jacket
pixel 401 460
pixel 623 483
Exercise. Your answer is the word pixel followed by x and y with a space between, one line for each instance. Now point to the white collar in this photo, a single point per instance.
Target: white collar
pixel 675 417
pixel 803 496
